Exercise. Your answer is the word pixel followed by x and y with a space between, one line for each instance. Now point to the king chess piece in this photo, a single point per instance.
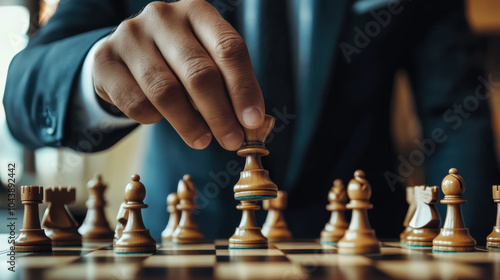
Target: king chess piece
pixel 135 237
pixel 32 237
pixel 454 236
pixel 187 231
pixel 173 219
pixel 254 185
pixel 335 228
pixel 360 237
pixel 493 239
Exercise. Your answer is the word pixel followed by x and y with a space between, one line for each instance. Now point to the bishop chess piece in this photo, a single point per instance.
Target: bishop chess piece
pixel 135 237
pixel 187 231
pixel 335 228
pixel 59 224
pixel 275 227
pixel 360 237
pixel 425 221
pixel 254 185
pixel 32 237
pixel 493 239
pixel 454 236
pixel 173 219
pixel 412 206
pixel 95 227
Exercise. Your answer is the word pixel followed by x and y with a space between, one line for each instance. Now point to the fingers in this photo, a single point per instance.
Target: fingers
pixel 230 54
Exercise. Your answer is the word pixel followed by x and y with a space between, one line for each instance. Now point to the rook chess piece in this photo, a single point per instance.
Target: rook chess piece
pixel 32 237
pixel 173 219
pixel 59 224
pixel 454 236
pixel 335 228
pixel 360 237
pixel 135 237
pixel 493 240
pixel 425 222
pixel 275 227
pixel 410 198
pixel 187 231
pixel 254 184
pixel 95 227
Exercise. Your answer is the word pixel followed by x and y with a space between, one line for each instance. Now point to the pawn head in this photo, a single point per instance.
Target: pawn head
pixel 172 199
pixel 453 183
pixel 135 190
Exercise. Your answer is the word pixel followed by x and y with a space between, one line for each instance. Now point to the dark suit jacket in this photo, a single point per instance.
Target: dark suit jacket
pixel 328 81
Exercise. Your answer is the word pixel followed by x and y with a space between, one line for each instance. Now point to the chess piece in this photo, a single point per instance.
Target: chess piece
pixel 59 224
pixel 254 184
pixel 359 238
pixel 187 230
pixel 412 206
pixel 493 240
pixel 335 228
pixel 454 236
pixel 173 219
pixel 275 227
pixel 121 221
pixel 135 237
pixel 95 227
pixel 425 222
pixel 32 237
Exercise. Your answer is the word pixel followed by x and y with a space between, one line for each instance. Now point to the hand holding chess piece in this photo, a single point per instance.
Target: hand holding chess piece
pixel 335 228
pixel 360 237
pixel 275 227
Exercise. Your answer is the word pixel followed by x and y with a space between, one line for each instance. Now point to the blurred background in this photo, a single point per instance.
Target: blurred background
pixel 51 167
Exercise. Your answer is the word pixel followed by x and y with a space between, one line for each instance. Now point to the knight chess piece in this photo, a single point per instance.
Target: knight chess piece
pixel 493 239
pixel 173 219
pixel 121 220
pixel 425 222
pixel 335 228
pixel 254 185
pixel 32 237
pixel 135 237
pixel 360 237
pixel 59 224
pixel 187 231
pixel 275 227
pixel 95 226
pixel 412 206
pixel 454 236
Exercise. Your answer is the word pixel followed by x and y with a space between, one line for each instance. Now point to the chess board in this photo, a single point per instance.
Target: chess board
pixel 299 259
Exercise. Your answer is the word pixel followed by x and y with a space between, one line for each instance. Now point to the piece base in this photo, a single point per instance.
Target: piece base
pixel 134 250
pixel 255 197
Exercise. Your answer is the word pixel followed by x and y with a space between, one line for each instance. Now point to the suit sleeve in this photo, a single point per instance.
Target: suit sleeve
pixel 450 88
pixel 42 77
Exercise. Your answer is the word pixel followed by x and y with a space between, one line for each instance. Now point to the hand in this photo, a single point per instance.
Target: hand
pixel 183 62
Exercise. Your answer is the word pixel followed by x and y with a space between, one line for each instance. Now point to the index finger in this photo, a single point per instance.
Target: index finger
pixel 229 52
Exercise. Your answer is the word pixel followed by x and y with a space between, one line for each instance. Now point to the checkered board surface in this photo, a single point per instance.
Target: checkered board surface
pixel 300 259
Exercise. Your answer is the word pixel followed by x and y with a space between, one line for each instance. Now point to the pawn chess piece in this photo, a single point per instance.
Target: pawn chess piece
pixel 187 230
pixel 412 206
pixel 95 227
pixel 425 222
pixel 335 228
pixel 173 219
pixel 59 224
pixel 254 184
pixel 121 221
pixel 360 237
pixel 493 239
pixel 32 237
pixel 135 237
pixel 275 227
pixel 454 236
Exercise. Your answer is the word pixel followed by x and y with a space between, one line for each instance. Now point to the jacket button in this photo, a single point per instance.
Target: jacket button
pixel 49 122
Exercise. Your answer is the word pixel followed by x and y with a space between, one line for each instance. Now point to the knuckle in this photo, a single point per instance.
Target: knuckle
pixel 231 47
pixel 128 27
pixel 136 108
pixel 223 119
pixel 243 89
pixel 162 90
pixel 157 9
pixel 199 72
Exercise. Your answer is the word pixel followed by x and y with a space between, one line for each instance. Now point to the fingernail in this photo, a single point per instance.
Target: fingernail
pixel 202 142
pixel 251 116
pixel 232 141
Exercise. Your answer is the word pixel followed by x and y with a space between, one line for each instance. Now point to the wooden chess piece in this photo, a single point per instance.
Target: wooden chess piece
pixel 335 228
pixel 454 236
pixel 412 206
pixel 135 237
pixel 254 184
pixel 493 239
pixel 173 219
pixel 359 238
pixel 59 224
pixel 121 220
pixel 275 227
pixel 95 226
pixel 425 222
pixel 32 237
pixel 187 231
